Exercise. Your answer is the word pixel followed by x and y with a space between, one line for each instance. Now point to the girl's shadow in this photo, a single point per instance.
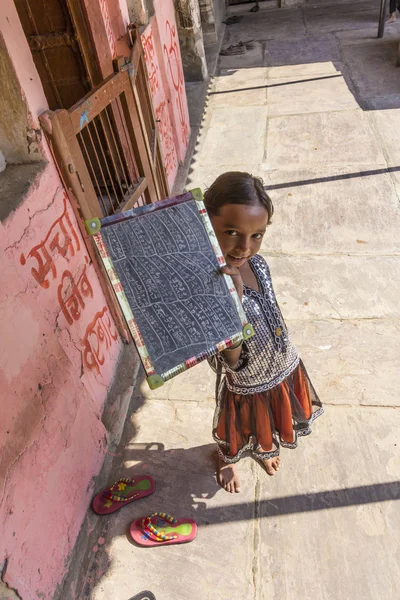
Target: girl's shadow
pixel 184 477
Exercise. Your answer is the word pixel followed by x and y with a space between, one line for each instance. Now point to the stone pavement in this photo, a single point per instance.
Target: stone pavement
pixel 314 109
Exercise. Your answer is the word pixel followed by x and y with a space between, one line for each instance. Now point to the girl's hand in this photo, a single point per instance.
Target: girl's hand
pixel 236 278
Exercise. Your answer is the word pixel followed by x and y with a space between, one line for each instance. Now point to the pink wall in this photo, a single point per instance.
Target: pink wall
pixel 24 66
pixel 167 85
pixel 58 354
pixel 161 106
pixel 164 65
pixel 59 347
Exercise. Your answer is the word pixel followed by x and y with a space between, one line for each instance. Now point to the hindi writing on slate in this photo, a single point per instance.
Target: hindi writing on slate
pixel 169 273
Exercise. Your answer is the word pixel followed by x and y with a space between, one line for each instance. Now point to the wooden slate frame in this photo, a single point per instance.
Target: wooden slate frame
pixel 94 226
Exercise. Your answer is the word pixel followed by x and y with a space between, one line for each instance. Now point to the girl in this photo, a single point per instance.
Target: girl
pixel 393 6
pixel 266 398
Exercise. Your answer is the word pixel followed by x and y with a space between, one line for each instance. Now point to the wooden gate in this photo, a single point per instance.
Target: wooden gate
pixel 106 145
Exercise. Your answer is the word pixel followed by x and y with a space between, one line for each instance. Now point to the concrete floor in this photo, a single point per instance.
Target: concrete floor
pixel 315 110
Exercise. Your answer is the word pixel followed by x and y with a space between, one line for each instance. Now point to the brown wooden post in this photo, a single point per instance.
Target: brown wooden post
pixel 101 42
pixel 58 129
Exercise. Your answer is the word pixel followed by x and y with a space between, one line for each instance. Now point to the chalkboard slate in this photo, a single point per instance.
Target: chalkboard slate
pixel 166 258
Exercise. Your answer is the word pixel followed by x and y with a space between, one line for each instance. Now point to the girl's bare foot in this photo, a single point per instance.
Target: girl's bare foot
pixel 272 465
pixel 392 19
pixel 228 477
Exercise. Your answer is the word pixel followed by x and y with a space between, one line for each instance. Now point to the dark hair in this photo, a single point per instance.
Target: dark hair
pixel 235 187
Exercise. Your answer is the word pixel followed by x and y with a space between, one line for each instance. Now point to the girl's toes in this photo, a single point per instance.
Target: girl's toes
pixel 269 468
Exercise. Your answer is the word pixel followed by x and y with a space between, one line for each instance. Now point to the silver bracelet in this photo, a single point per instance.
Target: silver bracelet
pixel 231 348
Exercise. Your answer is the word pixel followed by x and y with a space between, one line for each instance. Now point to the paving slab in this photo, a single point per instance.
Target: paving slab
pixel 339 18
pixel 351 361
pixel 333 9
pixel 386 124
pixel 381 102
pixel 328 527
pixel 300 50
pixel 268 26
pixel 234 133
pixel 368 35
pixel 304 71
pixel 322 139
pixel 373 67
pixel 336 210
pixel 325 93
pixel 183 466
pixel 195 385
pixel 239 87
pixel 203 176
pixel 337 287
pixel 339 3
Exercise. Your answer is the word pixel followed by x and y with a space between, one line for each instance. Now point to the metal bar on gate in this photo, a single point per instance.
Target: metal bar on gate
pixel 80 136
pixel 105 158
pixel 137 136
pixel 118 154
pixel 127 138
pixel 382 13
pixel 100 167
pixel 111 154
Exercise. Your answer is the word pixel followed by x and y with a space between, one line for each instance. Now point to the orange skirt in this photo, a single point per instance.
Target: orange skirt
pixel 263 422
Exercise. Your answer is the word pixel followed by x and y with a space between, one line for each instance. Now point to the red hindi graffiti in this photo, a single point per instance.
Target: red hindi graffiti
pixel 166 139
pixel 99 336
pixel 71 295
pixel 150 55
pixel 176 72
pixel 61 239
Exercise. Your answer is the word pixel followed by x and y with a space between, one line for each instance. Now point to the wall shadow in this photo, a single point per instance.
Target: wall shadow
pixel 343 34
pixel 342 176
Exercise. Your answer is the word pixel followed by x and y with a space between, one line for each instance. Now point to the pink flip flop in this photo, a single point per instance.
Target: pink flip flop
pixel 122 492
pixel 161 529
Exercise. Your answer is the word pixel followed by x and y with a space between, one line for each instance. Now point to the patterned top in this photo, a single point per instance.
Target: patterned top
pixel 269 356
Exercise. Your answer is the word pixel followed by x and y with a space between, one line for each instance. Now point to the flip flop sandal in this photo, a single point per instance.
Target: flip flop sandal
pixel 153 531
pixel 122 492
pixel 144 596
pixel 240 48
pixel 255 8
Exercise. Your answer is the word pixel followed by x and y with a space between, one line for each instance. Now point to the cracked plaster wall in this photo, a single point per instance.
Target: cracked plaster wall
pixel 140 11
pixel 13 123
pixel 191 39
pixel 53 389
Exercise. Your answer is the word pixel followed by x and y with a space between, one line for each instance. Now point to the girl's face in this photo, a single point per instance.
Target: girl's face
pixel 240 229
